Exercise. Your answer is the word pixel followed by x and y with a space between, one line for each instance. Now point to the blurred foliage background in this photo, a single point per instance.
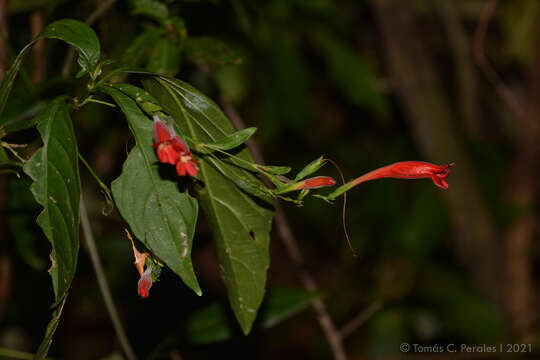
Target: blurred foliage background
pixel 366 83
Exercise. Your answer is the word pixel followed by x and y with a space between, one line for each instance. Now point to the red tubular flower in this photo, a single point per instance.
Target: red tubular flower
pixel 145 283
pixel 317 182
pixel 409 170
pixel 172 149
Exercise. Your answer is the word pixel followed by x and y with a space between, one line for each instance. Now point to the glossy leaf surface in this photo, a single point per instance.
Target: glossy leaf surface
pixel 240 223
pixel 161 214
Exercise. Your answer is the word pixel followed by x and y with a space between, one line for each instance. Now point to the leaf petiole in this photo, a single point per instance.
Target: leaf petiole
pixel 96 177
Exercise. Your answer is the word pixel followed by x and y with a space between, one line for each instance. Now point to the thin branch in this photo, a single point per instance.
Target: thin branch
pixel 492 76
pixel 103 284
pixel 360 319
pixel 291 245
pixel 92 18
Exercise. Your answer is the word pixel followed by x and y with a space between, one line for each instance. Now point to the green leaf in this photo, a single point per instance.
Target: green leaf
pixel 212 323
pixel 75 33
pixel 151 8
pixel 210 51
pixel 241 224
pixel 231 141
pixel 140 49
pixel 141 96
pixel 57 187
pixel 352 75
pixel 80 36
pixel 166 58
pixel 43 349
pixel 161 215
pixel 310 168
pixel 282 303
pixel 277 170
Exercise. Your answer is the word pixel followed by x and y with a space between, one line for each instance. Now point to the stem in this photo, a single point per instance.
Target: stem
pixel 16 354
pixel 103 285
pixel 90 99
pixel 293 249
pixel 101 183
pixel 10 148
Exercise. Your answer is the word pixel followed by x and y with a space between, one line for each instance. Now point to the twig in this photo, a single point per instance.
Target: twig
pixel 493 77
pixel 103 285
pixel 92 18
pixel 291 245
pixel 360 319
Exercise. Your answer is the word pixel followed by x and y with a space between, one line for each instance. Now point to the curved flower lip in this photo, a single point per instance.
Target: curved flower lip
pixel 410 170
pixel 145 283
pixel 402 170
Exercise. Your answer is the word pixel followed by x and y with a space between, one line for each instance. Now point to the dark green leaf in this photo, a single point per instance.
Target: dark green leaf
pixel 241 225
pixel 211 324
pixel 57 187
pixel 43 349
pixel 231 141
pixel 151 8
pixel 147 102
pixel 281 303
pixel 352 74
pixel 75 33
pixel 166 58
pixel 210 52
pixel 141 47
pixel 80 36
pixel 161 215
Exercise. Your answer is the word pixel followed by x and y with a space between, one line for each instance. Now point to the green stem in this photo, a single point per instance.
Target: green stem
pixel 342 189
pixel 251 166
pixel 90 99
pixel 96 177
pixel 8 146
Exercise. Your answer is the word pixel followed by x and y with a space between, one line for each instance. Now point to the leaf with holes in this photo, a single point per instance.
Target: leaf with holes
pixel 57 187
pixel 161 215
pixel 241 224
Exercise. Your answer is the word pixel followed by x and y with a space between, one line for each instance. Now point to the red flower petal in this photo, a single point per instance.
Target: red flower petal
pixel 167 154
pixel 180 168
pixel 317 182
pixel 179 144
pixel 409 170
pixel 191 168
pixel 161 133
pixel 145 283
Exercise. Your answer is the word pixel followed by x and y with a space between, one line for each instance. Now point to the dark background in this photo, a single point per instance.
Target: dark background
pixel 366 83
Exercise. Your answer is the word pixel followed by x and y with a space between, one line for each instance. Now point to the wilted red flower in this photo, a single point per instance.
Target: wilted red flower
pixel 317 182
pixel 172 149
pixel 145 283
pixel 409 170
